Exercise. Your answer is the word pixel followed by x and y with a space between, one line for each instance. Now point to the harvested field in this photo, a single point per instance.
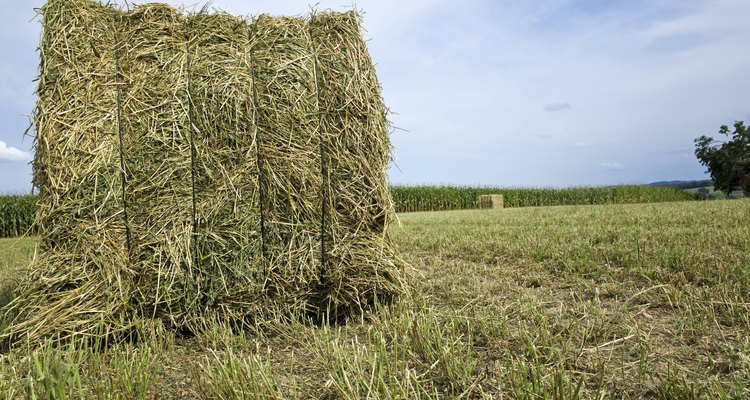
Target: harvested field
pixel 573 302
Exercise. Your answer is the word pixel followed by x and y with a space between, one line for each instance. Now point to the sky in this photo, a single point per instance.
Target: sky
pixel 502 92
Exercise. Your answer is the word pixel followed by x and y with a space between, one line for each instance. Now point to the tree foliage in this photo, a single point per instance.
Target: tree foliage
pixel 728 162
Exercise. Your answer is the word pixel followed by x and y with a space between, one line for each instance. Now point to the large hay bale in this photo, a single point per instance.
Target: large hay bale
pixel 203 165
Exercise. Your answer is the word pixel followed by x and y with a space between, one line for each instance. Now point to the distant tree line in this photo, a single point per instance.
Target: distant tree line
pixel 684 185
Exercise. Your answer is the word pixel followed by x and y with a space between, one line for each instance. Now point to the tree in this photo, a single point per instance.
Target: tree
pixel 728 162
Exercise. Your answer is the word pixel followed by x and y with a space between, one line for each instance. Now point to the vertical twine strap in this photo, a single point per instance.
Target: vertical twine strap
pixel 323 164
pixel 192 149
pixel 123 174
pixel 259 163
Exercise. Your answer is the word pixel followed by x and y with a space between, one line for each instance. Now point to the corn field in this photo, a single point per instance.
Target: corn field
pixel 16 215
pixel 17 212
pixel 439 198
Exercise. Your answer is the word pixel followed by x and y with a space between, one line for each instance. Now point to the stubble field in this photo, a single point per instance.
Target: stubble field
pixel 611 301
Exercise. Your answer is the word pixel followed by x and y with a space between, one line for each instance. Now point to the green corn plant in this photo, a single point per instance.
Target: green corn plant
pixel 16 215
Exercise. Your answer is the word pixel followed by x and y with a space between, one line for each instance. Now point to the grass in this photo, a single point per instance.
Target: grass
pixel 613 301
pixel 15 256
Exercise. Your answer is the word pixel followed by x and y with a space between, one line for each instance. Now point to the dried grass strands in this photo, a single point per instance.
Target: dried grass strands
pixel 80 283
pixel 227 195
pixel 289 145
pixel 251 164
pixel 362 264
pixel 155 114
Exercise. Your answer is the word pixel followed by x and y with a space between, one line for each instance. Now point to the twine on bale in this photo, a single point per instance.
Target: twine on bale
pixel 259 161
pixel 192 148
pixel 290 164
pixel 323 169
pixel 363 265
pixel 123 176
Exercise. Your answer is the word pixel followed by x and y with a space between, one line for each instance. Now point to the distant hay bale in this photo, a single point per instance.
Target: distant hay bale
pixel 202 166
pixel 491 201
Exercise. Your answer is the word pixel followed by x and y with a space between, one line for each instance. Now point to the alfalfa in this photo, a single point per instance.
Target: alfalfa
pixel 202 166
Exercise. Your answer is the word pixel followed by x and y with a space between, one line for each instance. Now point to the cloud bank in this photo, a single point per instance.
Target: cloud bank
pixel 9 153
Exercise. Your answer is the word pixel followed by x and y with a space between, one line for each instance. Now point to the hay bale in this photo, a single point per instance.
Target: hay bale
pixel 205 166
pixel 491 201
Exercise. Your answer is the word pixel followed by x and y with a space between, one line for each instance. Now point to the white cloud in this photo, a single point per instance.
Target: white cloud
pixel 612 166
pixel 9 153
pixel 582 144
pixel 557 107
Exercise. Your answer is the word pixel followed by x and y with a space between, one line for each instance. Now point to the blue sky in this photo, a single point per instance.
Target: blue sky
pixel 521 93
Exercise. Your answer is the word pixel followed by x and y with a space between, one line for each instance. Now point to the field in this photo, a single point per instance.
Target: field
pixel 603 302
pixel 441 198
pixel 17 211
